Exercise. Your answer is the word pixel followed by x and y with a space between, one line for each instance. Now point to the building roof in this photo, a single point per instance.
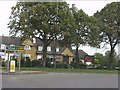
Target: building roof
pixel 39 42
pixel 10 40
pixel 81 53
pixel 17 41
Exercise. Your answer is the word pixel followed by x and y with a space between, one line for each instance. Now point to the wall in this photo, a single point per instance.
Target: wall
pixel 32 51
pixel 67 52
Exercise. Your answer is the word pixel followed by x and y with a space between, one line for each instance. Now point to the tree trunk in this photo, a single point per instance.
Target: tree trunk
pixel 110 64
pixel 76 53
pixel 54 61
pixel 54 56
pixel 44 54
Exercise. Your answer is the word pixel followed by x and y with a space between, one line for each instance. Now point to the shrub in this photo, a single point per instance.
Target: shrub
pixel 25 62
pixel 22 62
pixel 82 65
pixel 3 64
pixel 75 64
pixel 100 67
pixel 61 65
pixel 36 63
pixel 79 64
pixel 48 62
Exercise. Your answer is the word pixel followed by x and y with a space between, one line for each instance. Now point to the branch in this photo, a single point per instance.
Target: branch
pixel 116 42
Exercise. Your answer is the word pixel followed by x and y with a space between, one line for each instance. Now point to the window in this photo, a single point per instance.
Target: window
pixel 40 48
pixel 39 57
pixel 34 40
pixel 48 49
pixel 49 56
pixel 3 46
pixel 57 49
pixel 27 47
pixel 27 55
pixel 12 45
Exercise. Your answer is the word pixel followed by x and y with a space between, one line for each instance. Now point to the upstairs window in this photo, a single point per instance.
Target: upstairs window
pixel 34 40
pixel 57 49
pixel 27 47
pixel 40 48
pixel 48 49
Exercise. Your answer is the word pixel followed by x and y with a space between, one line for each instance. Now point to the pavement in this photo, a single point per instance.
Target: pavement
pixel 3 72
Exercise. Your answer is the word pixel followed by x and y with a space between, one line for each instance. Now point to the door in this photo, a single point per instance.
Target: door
pixel 66 59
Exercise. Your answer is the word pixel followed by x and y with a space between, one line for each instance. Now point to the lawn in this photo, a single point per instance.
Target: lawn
pixel 105 71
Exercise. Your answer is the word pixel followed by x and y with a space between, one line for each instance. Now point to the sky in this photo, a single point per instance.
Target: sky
pixel 88 6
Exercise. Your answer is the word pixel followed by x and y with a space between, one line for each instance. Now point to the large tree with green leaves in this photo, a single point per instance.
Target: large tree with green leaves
pixel 109 20
pixel 85 30
pixel 115 58
pixel 42 20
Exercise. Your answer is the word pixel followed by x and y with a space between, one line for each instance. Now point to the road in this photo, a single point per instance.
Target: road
pixel 60 80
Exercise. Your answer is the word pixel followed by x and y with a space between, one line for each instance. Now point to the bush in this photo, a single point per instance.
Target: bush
pixel 82 65
pixel 25 62
pixel 28 62
pixel 75 64
pixel 3 64
pixel 22 62
pixel 79 64
pixel 61 65
pixel 48 62
pixel 99 67
pixel 36 63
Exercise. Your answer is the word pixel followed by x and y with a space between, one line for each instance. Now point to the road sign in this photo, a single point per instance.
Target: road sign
pixel 14 48
pixel 8 51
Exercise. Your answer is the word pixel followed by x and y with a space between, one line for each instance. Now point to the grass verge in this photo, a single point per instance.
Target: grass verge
pixel 104 71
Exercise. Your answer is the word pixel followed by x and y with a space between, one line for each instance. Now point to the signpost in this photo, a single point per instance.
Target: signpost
pixel 14 48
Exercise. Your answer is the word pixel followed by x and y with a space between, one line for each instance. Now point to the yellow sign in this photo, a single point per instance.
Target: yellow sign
pixel 12 66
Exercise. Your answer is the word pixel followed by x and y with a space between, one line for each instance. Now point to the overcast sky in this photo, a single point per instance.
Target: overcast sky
pixel 88 6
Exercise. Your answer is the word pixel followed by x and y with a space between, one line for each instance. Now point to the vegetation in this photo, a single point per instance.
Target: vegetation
pixel 42 20
pixel 79 65
pixel 36 63
pixel 25 62
pixel 102 61
pixel 50 21
pixel 109 22
pixel 69 70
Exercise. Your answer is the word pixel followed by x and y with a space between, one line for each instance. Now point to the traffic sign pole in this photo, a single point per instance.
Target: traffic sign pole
pixel 19 59
pixel 8 63
pixel 14 48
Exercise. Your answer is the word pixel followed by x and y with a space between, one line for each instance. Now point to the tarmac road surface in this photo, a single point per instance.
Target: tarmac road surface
pixel 61 80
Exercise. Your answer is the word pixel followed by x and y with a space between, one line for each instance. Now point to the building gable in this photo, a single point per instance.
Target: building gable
pixel 67 52
pixel 27 42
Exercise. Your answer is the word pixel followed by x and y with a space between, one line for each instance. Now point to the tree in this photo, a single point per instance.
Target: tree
pixel 100 59
pixel 42 20
pixel 115 58
pixel 85 30
pixel 109 21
